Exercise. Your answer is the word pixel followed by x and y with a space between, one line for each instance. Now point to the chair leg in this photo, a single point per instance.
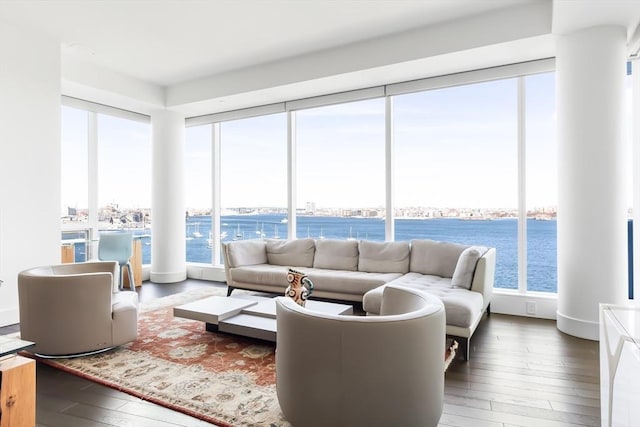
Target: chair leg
pixel 121 282
pixel 132 284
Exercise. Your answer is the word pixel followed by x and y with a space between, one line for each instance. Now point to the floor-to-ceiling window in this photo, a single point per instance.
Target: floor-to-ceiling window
pixel 74 173
pixel 199 235
pixel 456 168
pixel 106 175
pixel 253 178
pixel 461 168
pixel 340 177
pixel 124 173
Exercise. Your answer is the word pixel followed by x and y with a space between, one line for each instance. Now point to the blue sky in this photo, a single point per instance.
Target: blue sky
pixel 447 143
pixel 454 147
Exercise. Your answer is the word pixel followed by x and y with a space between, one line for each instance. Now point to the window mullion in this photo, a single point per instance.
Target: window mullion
pixel 215 190
pixel 522 187
pixel 389 170
pixel 92 153
pixel 291 174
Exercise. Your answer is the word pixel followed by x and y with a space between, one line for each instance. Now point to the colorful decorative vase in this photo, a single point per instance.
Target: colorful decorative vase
pixel 300 287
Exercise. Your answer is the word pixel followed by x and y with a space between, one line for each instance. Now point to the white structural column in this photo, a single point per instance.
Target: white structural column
pixel 592 222
pixel 168 252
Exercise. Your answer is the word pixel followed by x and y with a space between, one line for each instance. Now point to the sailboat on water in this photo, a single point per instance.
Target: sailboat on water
pixel 223 236
pixel 197 232
pixel 238 235
pixel 260 231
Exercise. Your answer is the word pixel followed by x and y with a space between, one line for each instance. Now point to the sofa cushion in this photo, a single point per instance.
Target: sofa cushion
pixel 462 307
pixel 336 255
pixel 261 274
pixel 466 266
pixel 435 258
pixel 348 282
pixel 345 282
pixel 383 257
pixel 246 252
pixel 295 253
pixel 372 299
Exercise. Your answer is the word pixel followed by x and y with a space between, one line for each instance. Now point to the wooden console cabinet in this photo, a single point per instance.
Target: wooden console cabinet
pixel 17 392
pixel 68 253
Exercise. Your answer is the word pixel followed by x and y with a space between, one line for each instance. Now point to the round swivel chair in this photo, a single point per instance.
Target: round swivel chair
pixel 362 371
pixel 72 309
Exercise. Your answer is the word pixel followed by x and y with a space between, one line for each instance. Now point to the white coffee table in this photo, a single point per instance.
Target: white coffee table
pixel 251 317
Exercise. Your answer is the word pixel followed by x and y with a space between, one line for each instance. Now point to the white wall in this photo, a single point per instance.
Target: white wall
pixel 29 158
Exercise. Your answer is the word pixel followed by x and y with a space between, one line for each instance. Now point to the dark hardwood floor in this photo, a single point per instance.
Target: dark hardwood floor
pixel 522 372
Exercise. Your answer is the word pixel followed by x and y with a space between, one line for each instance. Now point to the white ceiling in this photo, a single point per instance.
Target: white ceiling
pixel 201 38
pixel 186 52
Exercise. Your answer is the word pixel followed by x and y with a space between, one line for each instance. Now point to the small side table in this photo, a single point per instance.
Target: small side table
pixel 17 385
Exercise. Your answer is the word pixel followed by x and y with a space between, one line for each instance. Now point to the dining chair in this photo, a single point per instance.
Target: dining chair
pixel 118 246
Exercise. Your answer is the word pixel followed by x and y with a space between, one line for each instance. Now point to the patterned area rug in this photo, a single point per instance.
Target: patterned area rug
pixel 222 379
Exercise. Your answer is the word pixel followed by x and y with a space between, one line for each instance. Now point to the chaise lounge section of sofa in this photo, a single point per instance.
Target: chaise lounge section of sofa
pixel 461 276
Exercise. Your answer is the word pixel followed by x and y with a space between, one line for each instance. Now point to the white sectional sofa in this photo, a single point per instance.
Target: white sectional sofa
pixel 461 276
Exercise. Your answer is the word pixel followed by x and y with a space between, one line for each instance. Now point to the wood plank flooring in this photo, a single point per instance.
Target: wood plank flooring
pixel 522 372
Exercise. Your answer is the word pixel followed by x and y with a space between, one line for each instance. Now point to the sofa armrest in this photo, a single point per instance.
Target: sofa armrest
pixel 243 252
pixel 484 275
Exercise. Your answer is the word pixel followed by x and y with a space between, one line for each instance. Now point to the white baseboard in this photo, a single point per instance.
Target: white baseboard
pixel 532 304
pixel 206 272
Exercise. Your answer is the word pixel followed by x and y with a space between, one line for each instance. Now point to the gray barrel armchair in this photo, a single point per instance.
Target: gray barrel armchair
pixel 72 309
pixel 350 371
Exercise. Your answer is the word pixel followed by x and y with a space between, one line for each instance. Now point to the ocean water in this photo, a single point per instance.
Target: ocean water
pixel 499 233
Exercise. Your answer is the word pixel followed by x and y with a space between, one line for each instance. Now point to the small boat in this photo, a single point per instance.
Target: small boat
pixel 197 232
pixel 238 235
pixel 260 231
pixel 223 236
